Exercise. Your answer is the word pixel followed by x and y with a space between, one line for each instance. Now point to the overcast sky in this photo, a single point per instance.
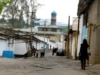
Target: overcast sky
pixel 64 8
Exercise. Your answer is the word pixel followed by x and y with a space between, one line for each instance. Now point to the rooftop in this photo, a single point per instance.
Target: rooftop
pixel 82 5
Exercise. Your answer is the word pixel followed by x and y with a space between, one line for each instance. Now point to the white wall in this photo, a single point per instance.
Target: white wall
pixel 20 47
pixel 3 46
pixel 80 33
pixel 11 44
pixel 46 40
pixel 60 45
pixel 73 48
pixel 38 45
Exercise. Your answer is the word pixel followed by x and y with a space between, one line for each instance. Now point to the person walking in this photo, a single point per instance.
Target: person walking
pixel 83 54
pixel 33 50
pixel 42 52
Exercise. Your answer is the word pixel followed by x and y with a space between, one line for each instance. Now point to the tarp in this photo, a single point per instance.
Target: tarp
pixel 8 54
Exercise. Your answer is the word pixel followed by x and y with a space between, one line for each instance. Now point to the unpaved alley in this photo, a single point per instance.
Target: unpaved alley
pixel 49 65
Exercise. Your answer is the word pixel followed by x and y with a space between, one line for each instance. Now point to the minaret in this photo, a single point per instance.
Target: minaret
pixel 53 18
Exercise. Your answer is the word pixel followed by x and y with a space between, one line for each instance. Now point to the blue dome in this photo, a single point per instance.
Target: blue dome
pixel 53 13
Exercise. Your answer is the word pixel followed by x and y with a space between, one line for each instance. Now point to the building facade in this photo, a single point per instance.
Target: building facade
pixel 72 40
pixel 90 10
pixel 52 31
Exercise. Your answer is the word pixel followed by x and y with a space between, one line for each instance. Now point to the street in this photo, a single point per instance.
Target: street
pixel 49 65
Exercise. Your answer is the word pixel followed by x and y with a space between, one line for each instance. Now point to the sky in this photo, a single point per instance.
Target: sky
pixel 63 8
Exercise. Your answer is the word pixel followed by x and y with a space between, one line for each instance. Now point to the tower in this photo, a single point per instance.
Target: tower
pixel 53 18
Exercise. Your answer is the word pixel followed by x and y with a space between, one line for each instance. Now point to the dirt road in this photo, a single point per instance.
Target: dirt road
pixel 50 65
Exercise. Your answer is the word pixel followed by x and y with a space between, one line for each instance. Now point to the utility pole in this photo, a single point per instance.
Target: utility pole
pixel 33 13
pixel 44 33
pixel 33 18
pixel 68 50
pixel 68 22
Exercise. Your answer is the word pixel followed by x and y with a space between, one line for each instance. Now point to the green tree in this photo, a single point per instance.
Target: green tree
pixel 3 3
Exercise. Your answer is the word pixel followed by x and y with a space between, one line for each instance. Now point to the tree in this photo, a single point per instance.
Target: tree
pixel 16 22
pixel 3 3
pixel 21 10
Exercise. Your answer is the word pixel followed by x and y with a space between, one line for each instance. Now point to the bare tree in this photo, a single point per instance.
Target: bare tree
pixel 11 12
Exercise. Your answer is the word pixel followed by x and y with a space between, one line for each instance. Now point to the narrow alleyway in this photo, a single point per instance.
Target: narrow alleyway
pixel 50 65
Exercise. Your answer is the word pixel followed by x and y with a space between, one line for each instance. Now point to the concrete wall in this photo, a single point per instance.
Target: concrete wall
pixel 20 47
pixel 75 23
pixel 3 46
pixel 6 45
pixel 73 47
pixel 97 57
pixel 94 18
